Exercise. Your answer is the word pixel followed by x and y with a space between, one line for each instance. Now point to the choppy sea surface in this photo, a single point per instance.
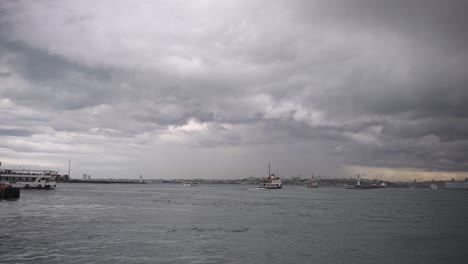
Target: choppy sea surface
pixel 164 223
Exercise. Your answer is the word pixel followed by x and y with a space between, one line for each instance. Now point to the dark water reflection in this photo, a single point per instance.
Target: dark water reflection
pixel 151 223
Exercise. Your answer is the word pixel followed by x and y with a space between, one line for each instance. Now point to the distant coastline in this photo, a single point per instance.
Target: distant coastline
pixel 336 182
pixel 104 181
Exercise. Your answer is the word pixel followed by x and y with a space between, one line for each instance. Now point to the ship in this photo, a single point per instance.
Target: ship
pixel 460 185
pixel 312 183
pixel 191 183
pixel 20 178
pixel 272 181
pixel 362 185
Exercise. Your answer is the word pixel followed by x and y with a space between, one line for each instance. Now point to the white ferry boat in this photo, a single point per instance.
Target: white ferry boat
pixel 271 182
pixel 191 183
pixel 365 184
pixel 20 178
pixel 312 183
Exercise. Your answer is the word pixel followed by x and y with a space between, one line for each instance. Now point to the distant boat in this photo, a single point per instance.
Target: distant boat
pixel 312 183
pixel 362 185
pixel 191 183
pixel 457 184
pixel 271 182
pixel 433 186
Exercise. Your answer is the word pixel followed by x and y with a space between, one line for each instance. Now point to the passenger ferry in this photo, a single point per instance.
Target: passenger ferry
pixel 312 183
pixel 271 182
pixel 363 185
pixel 191 183
pixel 20 178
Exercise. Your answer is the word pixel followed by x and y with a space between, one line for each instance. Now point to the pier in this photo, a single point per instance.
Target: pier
pixel 9 192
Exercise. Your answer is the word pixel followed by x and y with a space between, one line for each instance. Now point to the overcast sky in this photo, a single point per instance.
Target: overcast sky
pixel 217 89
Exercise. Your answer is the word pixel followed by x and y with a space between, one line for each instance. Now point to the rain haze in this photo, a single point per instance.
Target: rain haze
pixel 217 89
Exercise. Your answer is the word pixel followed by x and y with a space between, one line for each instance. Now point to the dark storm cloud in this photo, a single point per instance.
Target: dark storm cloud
pixel 15 132
pixel 53 80
pixel 416 90
pixel 5 74
pixel 377 83
pixel 41 66
pixel 416 154
pixel 439 21
pixel 427 72
pixel 445 128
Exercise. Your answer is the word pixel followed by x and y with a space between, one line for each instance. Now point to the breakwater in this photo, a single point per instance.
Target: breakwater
pixel 9 192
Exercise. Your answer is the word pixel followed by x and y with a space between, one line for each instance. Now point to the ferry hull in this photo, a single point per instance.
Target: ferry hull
pixel 271 187
pixel 357 187
pixel 34 186
pixel 312 185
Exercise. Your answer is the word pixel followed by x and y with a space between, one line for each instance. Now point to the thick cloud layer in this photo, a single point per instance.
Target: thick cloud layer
pixel 217 89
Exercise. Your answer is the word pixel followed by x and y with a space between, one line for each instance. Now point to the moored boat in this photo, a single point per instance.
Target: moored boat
pixel 21 178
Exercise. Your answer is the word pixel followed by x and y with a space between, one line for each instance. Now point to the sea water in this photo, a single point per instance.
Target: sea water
pixel 167 223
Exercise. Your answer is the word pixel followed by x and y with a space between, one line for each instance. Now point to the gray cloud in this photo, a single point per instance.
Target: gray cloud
pixel 4 74
pixel 365 83
pixel 16 132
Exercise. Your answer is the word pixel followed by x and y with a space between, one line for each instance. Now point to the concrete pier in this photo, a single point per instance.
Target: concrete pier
pixel 8 192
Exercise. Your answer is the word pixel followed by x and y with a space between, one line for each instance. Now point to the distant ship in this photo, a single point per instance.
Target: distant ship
pixel 312 183
pixel 271 182
pixel 457 184
pixel 191 183
pixel 360 184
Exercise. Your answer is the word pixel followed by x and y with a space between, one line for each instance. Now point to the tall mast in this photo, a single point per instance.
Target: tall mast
pixel 69 163
pixel 269 173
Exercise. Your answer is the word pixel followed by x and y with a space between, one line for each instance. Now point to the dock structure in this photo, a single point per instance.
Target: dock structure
pixel 9 192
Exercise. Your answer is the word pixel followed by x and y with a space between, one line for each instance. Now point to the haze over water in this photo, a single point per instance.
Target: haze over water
pixel 162 223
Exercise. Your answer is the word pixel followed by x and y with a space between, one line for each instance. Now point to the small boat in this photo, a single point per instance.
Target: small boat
pixel 433 186
pixel 191 183
pixel 271 182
